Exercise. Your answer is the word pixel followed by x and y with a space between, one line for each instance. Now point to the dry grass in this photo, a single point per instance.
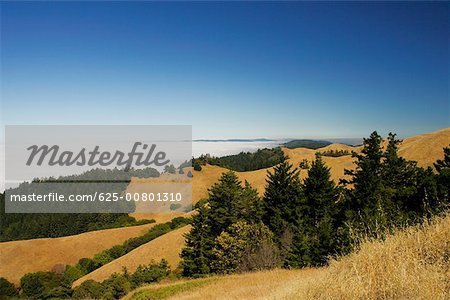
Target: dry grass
pixel 273 284
pixel 167 246
pixel 20 257
pixel 164 290
pixel 425 148
pixel 411 264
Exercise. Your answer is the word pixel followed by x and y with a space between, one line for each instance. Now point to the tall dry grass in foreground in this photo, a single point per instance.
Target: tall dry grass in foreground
pixel 411 264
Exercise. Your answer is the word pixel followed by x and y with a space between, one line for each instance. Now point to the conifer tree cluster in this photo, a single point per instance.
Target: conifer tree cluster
pixel 214 235
pixel 302 223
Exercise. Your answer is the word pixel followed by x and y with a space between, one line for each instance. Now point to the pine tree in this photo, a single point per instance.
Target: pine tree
pixel 197 252
pixel 443 178
pixel 249 207
pixel 318 234
pixel 228 203
pixel 223 196
pixel 399 176
pixel 283 200
pixel 364 207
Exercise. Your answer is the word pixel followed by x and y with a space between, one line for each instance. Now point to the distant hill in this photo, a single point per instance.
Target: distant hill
pixel 234 140
pixel 309 144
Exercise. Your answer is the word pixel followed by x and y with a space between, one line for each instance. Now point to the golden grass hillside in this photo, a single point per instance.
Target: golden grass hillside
pixel 271 284
pixel 20 257
pixel 412 264
pixel 167 246
pixel 425 148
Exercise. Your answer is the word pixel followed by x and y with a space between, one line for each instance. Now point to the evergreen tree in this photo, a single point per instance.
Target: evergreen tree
pixel 249 207
pixel 363 205
pixel 222 200
pixel 399 178
pixel 283 200
pixel 319 223
pixel 228 202
pixel 197 252
pixel 443 177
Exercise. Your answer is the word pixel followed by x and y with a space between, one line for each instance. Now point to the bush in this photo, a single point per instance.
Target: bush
pixel 7 289
pixel 88 290
pixel 35 285
pixel 151 273
pixel 86 265
pixel 71 274
pixel 116 287
pixel 102 258
pixel 197 167
pixel 244 247
pixel 334 153
pixel 59 292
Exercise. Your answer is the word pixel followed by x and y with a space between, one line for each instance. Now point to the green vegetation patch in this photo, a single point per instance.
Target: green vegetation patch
pixel 87 265
pixel 310 144
pixel 335 153
pixel 244 161
pixel 170 290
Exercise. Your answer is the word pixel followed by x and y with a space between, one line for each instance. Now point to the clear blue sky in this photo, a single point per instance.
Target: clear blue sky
pixel 229 69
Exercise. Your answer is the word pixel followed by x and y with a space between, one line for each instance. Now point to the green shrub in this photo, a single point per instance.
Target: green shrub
pixel 151 273
pixel 71 274
pixel 116 287
pixel 116 251
pixel 86 265
pixel 59 292
pixel 7 289
pixel 89 289
pixel 35 285
pixel 102 258
pixel 197 167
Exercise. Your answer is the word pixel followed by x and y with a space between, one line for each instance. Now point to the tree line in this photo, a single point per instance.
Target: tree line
pixel 244 161
pixel 22 226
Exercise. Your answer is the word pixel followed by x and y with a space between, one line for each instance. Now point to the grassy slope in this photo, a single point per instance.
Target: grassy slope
pixel 266 284
pixel 411 264
pixel 167 246
pixel 20 257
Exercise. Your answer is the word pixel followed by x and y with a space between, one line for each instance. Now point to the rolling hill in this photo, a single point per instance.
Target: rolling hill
pixel 20 257
pixel 167 246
